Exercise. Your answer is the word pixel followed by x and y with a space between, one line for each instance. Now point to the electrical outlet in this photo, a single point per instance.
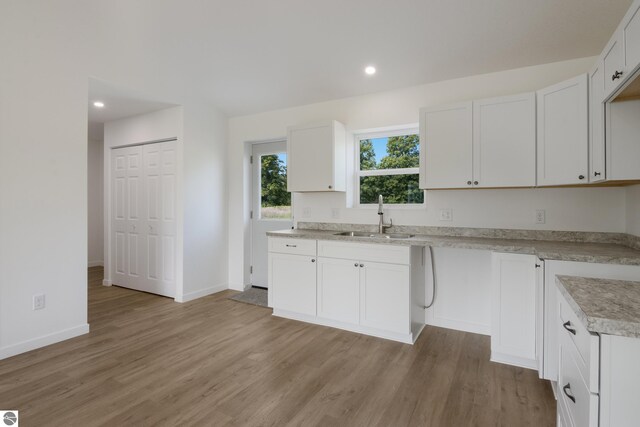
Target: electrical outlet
pixel 306 212
pixel 38 302
pixel 446 215
pixel 335 213
pixel 540 216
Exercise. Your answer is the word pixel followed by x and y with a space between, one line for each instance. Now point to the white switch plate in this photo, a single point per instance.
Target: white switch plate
pixel 540 216
pixel 335 213
pixel 446 215
pixel 38 302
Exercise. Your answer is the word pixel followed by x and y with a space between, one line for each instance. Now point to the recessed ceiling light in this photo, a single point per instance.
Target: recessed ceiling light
pixel 98 104
pixel 370 70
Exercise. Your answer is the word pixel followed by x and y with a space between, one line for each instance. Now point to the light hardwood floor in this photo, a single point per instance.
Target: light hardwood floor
pixel 151 361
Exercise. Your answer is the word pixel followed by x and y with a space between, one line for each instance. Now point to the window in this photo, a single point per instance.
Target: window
pixel 275 200
pixel 388 164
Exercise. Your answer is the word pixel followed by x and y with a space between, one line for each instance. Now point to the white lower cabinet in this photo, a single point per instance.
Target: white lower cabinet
pixel 598 375
pixel 514 303
pixel 292 283
pixel 375 289
pixel 385 296
pixel 338 289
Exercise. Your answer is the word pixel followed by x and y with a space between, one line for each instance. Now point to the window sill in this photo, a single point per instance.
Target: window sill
pixel 374 206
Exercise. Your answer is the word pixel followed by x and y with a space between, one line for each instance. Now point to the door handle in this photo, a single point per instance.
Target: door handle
pixel 567 326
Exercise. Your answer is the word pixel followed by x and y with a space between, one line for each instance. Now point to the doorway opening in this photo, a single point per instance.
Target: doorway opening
pixel 271 204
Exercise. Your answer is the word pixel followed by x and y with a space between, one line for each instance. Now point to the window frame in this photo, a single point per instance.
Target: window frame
pixel 384 133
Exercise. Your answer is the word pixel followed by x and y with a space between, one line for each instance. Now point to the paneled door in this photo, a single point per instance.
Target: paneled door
pixel 143 217
pixel 126 218
pixel 271 207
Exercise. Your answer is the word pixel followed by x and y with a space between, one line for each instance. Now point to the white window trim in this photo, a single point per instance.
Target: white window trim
pixel 382 133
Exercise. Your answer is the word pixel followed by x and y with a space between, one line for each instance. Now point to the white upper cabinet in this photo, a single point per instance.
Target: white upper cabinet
pixel 446 146
pixel 486 143
pixel 613 64
pixel 631 37
pixel 596 124
pixel 563 146
pixel 504 141
pixel 316 157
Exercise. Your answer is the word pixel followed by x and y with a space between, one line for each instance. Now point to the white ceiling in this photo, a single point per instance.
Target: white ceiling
pixel 248 56
pixel 119 102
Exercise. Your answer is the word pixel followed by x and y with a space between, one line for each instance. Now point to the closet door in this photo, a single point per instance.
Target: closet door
pixel 160 217
pixel 127 219
pixel 143 217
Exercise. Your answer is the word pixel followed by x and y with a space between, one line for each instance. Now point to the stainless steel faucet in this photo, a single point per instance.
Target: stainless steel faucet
pixel 381 225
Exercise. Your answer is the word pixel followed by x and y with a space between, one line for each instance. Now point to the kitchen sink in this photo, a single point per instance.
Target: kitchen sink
pixel 374 235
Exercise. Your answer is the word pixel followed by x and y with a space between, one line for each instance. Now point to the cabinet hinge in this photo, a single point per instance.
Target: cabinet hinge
pixel 251 159
pixel 251 214
pixel 251 269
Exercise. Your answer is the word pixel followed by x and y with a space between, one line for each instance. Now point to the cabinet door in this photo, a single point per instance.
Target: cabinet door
pixel 338 289
pixel 563 145
pixel 445 146
pixel 292 283
pixel 513 327
pixel 316 157
pixel 631 35
pixel 384 297
pixel 504 141
pixel 540 316
pixel 596 124
pixel 613 65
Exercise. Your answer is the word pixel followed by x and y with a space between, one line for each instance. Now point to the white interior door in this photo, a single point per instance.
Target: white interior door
pixel 126 218
pixel 271 203
pixel 160 212
pixel 143 217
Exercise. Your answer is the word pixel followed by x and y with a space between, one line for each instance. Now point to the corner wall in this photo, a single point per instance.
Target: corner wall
pixel 95 203
pixel 580 209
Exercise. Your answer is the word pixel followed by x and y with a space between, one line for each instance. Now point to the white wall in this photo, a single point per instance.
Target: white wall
pixel 566 209
pixel 43 185
pixel 633 210
pixel 95 203
pixel 205 202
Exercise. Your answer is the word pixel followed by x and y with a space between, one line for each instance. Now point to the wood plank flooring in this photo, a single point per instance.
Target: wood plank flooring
pixel 151 361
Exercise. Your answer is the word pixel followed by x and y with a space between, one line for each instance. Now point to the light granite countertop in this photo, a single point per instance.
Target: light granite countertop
pixel 604 306
pixel 581 251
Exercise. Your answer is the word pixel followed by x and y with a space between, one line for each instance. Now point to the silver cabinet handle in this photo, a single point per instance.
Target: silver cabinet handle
pixel 292 246
pixel 355 265
pixel 361 265
pixel 313 260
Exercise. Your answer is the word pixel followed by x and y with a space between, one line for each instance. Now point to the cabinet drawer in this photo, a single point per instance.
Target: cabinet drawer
pixel 292 246
pixel 364 252
pixel 587 345
pixel 581 405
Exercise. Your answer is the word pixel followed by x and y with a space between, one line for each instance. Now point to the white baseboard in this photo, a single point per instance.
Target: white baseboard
pixel 238 287
pixel 95 264
pixel 190 296
pixel 394 336
pixel 106 282
pixel 513 360
pixel 42 341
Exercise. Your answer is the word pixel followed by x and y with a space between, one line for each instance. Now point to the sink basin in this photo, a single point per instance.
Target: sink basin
pixel 396 236
pixel 355 234
pixel 375 235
